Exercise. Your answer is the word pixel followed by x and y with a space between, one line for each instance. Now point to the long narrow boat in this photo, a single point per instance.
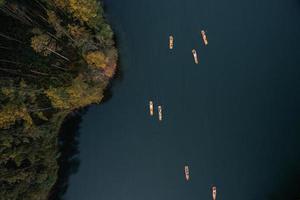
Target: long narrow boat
pixel 204 37
pixel 187 173
pixel 159 113
pixel 171 42
pixel 195 56
pixel 214 192
pixel 151 108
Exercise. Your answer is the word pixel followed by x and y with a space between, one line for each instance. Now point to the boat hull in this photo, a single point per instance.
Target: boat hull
pixel 195 56
pixel 160 117
pixel 187 173
pixel 171 42
pixel 204 38
pixel 214 193
pixel 151 110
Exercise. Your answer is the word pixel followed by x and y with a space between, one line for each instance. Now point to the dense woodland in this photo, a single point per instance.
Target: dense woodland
pixel 55 56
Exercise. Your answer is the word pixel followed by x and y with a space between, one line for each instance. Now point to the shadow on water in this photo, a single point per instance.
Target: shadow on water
pixel 289 186
pixel 68 148
pixel 69 145
pixel 68 139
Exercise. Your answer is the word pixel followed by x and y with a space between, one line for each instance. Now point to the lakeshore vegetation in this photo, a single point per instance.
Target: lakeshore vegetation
pixel 55 56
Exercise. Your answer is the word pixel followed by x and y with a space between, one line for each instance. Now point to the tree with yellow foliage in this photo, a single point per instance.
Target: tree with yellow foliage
pixel 79 94
pixel 62 4
pixel 45 45
pixel 87 11
pixel 32 110
pixel 10 113
pixel 96 59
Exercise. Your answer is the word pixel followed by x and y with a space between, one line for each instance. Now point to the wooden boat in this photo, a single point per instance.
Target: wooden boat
pixel 151 108
pixel 204 37
pixel 214 192
pixel 195 56
pixel 187 173
pixel 171 42
pixel 159 113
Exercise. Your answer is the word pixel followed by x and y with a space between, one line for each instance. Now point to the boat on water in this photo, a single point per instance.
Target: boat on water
pixel 214 192
pixel 195 56
pixel 151 108
pixel 204 37
pixel 171 42
pixel 159 113
pixel 187 173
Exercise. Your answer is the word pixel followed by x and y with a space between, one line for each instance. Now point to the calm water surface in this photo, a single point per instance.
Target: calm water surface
pixel 234 118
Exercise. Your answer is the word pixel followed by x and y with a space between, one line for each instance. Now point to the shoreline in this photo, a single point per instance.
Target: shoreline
pixel 81 61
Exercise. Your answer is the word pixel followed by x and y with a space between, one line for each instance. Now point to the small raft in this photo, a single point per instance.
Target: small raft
pixel 171 42
pixel 203 34
pixel 159 113
pixel 214 192
pixel 187 173
pixel 195 56
pixel 151 108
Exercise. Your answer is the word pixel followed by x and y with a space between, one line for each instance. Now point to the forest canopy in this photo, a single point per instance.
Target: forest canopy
pixel 55 56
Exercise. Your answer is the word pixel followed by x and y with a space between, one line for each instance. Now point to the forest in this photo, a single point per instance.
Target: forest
pixel 56 56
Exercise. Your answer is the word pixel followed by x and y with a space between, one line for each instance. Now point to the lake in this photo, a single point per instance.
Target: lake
pixel 234 118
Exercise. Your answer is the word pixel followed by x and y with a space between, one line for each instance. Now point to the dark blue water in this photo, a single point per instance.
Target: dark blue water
pixel 234 118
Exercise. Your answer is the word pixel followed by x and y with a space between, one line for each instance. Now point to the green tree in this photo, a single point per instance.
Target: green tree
pixel 62 4
pixel 2 2
pixel 45 45
pixel 56 23
pixel 79 94
pixel 80 34
pixel 37 92
pixel 10 113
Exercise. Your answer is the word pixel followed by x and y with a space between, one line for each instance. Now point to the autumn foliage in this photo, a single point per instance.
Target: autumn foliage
pixel 57 56
pixel 96 59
